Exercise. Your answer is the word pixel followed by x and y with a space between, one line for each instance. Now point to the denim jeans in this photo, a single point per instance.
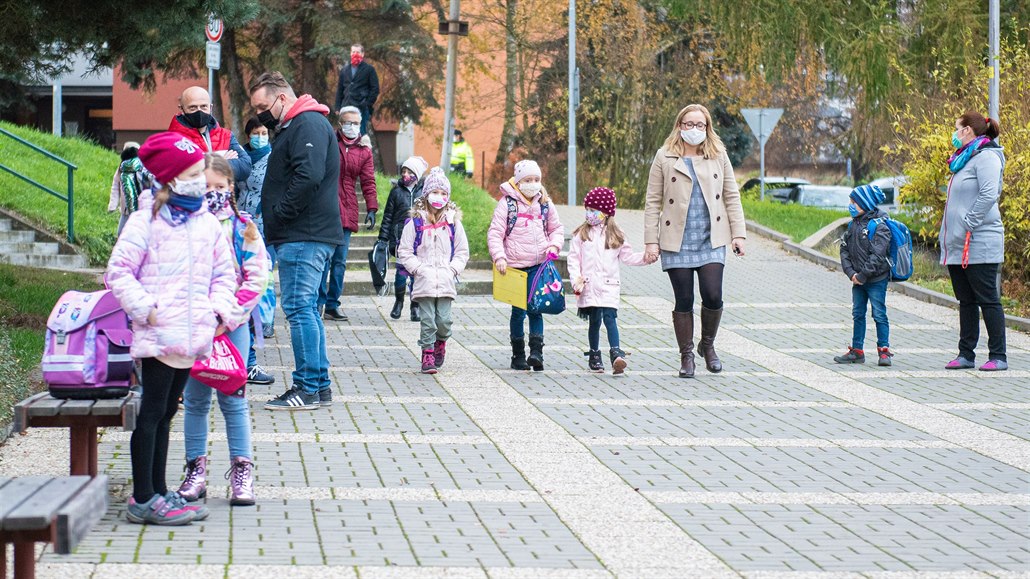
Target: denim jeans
pixel 334 274
pixel 874 293
pixel 400 280
pixel 266 301
pixel 608 316
pixel 518 315
pixel 977 292
pixel 436 321
pixel 235 410
pixel 301 265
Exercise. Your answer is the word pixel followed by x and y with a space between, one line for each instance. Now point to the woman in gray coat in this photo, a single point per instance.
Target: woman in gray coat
pixel 972 238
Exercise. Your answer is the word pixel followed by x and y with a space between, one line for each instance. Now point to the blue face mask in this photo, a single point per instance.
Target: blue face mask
pixel 853 210
pixel 955 141
pixel 259 141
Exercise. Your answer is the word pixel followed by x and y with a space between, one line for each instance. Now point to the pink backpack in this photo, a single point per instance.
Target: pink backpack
pixel 86 354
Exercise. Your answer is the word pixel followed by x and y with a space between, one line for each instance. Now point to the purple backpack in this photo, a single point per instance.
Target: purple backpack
pixel 86 353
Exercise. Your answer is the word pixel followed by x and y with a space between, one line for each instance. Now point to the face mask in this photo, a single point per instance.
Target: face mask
pixel 268 120
pixel 408 180
pixel 853 210
pixel 693 136
pixel 350 131
pixel 530 189
pixel 259 141
pixel 192 188
pixel 436 200
pixel 955 141
pixel 356 59
pixel 217 200
pixel 594 217
pixel 197 119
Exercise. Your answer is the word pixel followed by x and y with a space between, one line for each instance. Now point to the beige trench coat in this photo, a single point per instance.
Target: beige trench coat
pixel 668 196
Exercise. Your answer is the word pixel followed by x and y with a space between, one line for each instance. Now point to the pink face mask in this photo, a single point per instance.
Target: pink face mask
pixel 436 200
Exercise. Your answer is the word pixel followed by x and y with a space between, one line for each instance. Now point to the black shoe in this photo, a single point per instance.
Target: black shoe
pixel 335 314
pixel 257 375
pixel 518 354
pixel 398 305
pixel 325 397
pixel 293 399
pixel 536 353
pixel 594 361
pixel 414 312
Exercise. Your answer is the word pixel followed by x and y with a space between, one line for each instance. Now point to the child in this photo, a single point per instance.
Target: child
pixel 398 207
pixel 250 262
pixel 434 249
pixel 172 272
pixel 598 245
pixel 524 233
pixel 864 261
pixel 130 179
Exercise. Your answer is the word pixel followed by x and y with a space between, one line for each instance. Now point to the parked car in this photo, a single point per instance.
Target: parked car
pixel 822 196
pixel 891 186
pixel 774 182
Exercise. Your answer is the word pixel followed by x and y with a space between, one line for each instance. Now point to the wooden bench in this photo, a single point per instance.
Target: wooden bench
pixel 82 417
pixel 42 509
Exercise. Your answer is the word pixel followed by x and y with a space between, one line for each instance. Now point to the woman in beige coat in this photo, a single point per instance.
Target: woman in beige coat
pixel 691 214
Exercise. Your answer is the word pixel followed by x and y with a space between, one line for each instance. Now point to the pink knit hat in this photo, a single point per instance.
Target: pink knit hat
pixel 167 155
pixel 436 180
pixel 602 199
pixel 527 168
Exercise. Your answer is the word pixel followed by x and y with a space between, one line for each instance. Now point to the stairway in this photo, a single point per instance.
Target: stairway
pixel 19 246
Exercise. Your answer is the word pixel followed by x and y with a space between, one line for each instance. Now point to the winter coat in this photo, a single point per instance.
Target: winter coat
pixel 221 139
pixel 184 273
pixel 250 261
pixel 434 269
pixel 594 269
pixel 462 158
pixel 527 244
pixel 972 205
pixel 398 207
pixel 859 255
pixel 668 196
pixel 248 197
pixel 355 163
pixel 299 199
pixel 130 179
pixel 358 90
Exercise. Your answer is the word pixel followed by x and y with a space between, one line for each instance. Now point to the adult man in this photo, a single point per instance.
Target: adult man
pixel 355 165
pixel 300 208
pixel 196 124
pixel 462 159
pixel 358 86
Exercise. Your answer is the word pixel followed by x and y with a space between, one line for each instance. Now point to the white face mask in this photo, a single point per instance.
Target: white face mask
pixel 531 189
pixel 350 131
pixel 693 136
pixel 193 188
pixel 436 200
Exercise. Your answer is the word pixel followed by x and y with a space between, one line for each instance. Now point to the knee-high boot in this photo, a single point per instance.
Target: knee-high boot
pixel 706 345
pixel 683 324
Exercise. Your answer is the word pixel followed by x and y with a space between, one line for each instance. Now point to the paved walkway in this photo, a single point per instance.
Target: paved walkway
pixel 783 466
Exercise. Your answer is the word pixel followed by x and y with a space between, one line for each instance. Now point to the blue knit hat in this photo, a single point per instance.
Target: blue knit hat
pixel 867 196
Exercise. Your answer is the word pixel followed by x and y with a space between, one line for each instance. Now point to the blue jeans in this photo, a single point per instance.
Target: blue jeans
pixel 252 355
pixel 874 293
pixel 608 317
pixel 235 410
pixel 301 266
pixel 334 273
pixel 518 315
pixel 400 280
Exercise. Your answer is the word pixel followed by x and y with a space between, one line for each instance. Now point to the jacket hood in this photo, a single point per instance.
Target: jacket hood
pixel 995 148
pixel 509 190
pixel 305 103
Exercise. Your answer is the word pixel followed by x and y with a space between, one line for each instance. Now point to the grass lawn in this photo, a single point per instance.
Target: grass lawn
pixel 26 298
pixel 797 221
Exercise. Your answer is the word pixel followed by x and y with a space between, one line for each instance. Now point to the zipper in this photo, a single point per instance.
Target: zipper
pixel 944 220
pixel 189 278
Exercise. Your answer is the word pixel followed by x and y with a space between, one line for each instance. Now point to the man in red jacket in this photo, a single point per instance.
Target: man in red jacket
pixel 355 166
pixel 196 123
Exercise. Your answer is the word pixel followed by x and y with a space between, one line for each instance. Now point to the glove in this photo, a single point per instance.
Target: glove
pixel 370 220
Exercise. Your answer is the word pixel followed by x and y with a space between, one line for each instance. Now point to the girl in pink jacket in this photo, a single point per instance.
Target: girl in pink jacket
pixel 434 250
pixel 525 232
pixel 172 272
pixel 598 247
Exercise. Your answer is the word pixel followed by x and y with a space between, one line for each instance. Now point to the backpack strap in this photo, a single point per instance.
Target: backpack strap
pixel 513 215
pixel 421 226
pixel 871 226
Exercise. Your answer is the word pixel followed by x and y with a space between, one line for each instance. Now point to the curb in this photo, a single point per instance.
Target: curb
pixel 902 287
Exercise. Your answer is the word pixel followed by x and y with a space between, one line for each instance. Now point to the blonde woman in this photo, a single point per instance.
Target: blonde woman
pixel 691 214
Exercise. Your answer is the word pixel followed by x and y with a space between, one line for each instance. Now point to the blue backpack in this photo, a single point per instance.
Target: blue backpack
pixel 899 256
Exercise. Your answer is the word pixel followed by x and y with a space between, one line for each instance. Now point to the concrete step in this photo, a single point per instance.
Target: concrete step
pixel 65 262
pixel 5 224
pixel 35 248
pixel 17 236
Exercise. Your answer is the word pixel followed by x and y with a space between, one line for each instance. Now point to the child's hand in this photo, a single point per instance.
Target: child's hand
pixel 552 252
pixel 152 317
pixel 501 265
pixel 578 285
pixel 854 280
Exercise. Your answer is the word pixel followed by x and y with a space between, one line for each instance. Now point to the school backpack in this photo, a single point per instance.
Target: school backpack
pixel 513 215
pixel 420 226
pixel 86 349
pixel 899 256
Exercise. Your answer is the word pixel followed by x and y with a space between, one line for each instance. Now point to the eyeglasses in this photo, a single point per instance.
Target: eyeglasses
pixel 350 124
pixel 690 125
pixel 194 108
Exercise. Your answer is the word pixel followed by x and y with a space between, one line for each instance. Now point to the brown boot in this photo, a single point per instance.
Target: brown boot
pixel 706 345
pixel 683 324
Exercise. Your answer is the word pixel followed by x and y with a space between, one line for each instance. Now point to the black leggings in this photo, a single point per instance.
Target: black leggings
pixel 162 387
pixel 709 281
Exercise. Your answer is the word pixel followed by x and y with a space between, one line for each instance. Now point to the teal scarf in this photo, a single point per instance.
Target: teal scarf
pixel 960 157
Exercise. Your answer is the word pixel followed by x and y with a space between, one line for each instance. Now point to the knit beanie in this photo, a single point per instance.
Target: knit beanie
pixel 167 155
pixel 867 196
pixel 527 168
pixel 436 180
pixel 416 165
pixel 602 199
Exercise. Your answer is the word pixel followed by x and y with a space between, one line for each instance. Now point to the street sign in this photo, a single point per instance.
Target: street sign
pixel 214 55
pixel 214 29
pixel 762 123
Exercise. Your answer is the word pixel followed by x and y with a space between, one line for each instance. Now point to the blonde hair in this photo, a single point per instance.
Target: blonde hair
pixel 614 237
pixel 711 148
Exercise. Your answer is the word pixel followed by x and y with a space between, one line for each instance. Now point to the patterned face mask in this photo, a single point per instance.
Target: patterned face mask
pixel 594 217
pixel 217 200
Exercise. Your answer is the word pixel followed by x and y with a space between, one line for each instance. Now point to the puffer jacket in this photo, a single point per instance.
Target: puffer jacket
pixel 396 212
pixel 434 269
pixel 250 261
pixel 860 255
pixel 594 269
pixel 972 205
pixel 527 244
pixel 355 164
pixel 185 272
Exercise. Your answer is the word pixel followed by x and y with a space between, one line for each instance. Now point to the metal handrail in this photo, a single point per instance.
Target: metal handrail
pixel 68 198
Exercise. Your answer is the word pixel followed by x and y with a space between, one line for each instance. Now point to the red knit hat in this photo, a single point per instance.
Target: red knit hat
pixel 602 199
pixel 167 155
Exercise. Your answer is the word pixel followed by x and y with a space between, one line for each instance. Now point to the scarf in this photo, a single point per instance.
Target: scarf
pixel 180 207
pixel 960 157
pixel 259 153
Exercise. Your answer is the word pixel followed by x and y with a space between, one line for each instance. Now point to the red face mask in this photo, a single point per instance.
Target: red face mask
pixel 355 59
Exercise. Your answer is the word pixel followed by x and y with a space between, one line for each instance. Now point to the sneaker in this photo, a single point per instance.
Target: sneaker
pixel 200 511
pixel 325 397
pixel 884 355
pixel 293 399
pixel 618 361
pixel 268 331
pixel 157 511
pixel 439 352
pixel 428 362
pixel 994 366
pixel 257 375
pixel 854 356
pixel 959 363
pixel 335 314
pixel 594 361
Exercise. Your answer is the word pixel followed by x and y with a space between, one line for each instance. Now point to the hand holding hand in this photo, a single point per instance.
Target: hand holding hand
pixel 651 251
pixel 502 266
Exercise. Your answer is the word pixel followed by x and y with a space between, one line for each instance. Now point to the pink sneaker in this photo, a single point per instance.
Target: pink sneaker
pixel 994 366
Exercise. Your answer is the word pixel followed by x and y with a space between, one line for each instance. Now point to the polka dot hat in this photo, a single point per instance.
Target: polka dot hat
pixel 602 199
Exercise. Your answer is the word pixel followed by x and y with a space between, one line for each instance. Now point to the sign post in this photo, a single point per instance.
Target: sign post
pixel 213 54
pixel 762 123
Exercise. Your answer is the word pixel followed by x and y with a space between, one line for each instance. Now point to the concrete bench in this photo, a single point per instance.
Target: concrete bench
pixel 82 418
pixel 42 509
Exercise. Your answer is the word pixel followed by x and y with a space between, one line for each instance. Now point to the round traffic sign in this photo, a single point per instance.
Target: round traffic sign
pixel 214 29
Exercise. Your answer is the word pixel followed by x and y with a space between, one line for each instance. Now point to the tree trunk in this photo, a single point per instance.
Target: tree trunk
pixel 308 68
pixel 510 83
pixel 216 97
pixel 238 97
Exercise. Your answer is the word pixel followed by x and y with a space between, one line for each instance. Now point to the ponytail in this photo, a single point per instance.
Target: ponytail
pixel 982 126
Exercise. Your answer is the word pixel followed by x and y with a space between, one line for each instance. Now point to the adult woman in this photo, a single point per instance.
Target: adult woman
pixel 972 238
pixel 691 214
